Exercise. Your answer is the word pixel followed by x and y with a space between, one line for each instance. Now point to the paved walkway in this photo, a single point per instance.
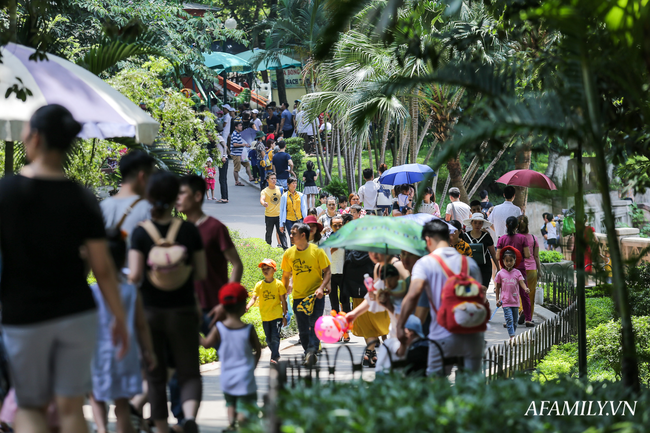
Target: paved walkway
pixel 245 214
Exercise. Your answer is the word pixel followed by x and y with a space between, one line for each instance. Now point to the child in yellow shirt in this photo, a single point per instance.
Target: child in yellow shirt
pixel 272 297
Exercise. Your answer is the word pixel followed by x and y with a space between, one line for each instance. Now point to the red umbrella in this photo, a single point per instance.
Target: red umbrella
pixel 528 178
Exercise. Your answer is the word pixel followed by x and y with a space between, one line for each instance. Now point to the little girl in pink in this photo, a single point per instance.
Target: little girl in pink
pixel 508 280
pixel 210 172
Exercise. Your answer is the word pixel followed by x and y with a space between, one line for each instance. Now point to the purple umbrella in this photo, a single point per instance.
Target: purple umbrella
pixel 248 135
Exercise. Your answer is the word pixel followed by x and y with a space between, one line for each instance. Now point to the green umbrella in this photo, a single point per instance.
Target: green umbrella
pixel 221 62
pixel 285 62
pixel 380 235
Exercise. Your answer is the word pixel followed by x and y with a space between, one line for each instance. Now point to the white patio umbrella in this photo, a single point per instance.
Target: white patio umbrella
pixel 103 111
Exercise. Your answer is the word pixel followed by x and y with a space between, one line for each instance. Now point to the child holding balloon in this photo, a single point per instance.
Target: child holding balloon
pixel 272 296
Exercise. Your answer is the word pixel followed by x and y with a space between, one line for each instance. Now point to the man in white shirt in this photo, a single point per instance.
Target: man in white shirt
pixel 500 213
pixel 368 192
pixel 428 275
pixel 256 123
pixel 227 120
pixel 457 210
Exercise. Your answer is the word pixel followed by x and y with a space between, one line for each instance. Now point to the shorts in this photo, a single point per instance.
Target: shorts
pixel 51 358
pixel 552 241
pixel 209 183
pixel 233 400
pixel 237 163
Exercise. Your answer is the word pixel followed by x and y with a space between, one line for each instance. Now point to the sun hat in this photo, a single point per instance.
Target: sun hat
pixel 209 159
pixel 269 262
pixel 310 219
pixel 477 217
pixel 298 101
pixel 415 325
pixel 227 107
pixel 259 134
pixel 232 293
pixel 255 111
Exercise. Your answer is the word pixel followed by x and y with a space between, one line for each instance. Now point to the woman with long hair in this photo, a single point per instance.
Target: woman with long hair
pixel 520 243
pixel 428 204
pixel 170 306
pixel 532 263
pixel 51 230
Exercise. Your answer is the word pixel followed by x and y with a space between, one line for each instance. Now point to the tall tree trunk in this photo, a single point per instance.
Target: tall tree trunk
pixel 338 153
pixel 456 177
pixel 415 117
pixel 474 166
pixel 423 134
pixel 384 140
pixel 430 152
pixel 488 169
pixel 282 88
pixel 360 163
pixel 522 162
pixel 444 196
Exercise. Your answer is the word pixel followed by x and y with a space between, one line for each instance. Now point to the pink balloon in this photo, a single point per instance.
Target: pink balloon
pixel 326 330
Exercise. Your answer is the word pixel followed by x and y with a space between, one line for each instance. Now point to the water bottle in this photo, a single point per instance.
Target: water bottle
pixel 368 282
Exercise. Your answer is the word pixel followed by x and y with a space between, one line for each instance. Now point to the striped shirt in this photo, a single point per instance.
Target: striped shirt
pixel 235 138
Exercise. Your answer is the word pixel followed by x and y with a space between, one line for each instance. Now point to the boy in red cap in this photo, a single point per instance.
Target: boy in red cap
pixel 273 306
pixel 508 281
pixel 235 342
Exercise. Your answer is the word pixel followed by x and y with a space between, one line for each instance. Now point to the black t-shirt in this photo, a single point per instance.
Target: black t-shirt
pixel 310 178
pixel 272 123
pixel 189 236
pixel 43 224
pixel 487 242
pixel 281 163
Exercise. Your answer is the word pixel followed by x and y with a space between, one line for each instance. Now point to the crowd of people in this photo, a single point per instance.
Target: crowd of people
pixel 163 286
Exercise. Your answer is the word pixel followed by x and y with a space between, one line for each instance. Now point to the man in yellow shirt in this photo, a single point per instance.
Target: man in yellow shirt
pixel 310 269
pixel 270 199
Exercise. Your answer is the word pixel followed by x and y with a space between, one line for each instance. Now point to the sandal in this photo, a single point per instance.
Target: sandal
pixel 239 184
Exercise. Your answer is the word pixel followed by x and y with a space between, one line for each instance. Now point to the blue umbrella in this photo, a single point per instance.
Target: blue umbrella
pixel 423 218
pixel 407 173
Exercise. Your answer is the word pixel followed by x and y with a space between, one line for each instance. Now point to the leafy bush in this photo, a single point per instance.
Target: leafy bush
pixel 604 290
pixel 207 355
pixel 337 187
pixel 599 311
pixel 604 343
pixel 561 361
pixel 550 256
pixel 295 148
pixel 395 404
pixel 251 252
pixel 638 283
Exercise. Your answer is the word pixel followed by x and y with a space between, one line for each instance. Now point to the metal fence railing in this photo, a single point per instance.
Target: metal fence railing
pixel 558 283
pixel 524 351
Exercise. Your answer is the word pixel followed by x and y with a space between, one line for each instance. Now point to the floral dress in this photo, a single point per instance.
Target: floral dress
pixel 210 172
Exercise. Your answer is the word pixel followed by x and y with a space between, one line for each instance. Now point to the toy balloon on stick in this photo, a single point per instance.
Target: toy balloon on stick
pixel 330 329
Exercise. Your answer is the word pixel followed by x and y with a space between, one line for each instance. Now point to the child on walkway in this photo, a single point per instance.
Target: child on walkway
pixel 508 281
pixel 210 173
pixel 235 342
pixel 272 297
pixel 114 379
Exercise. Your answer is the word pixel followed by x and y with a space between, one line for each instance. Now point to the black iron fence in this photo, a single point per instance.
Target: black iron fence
pixel 557 280
pixel 524 351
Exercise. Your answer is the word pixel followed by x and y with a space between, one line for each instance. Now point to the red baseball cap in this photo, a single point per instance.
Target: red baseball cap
pixel 232 293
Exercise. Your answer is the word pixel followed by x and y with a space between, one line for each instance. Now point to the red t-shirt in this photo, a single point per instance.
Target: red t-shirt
pixel 216 240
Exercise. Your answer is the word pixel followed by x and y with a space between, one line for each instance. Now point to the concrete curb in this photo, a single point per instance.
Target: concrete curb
pixel 544 313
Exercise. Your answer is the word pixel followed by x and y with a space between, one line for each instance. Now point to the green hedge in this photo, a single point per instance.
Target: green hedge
pixel 603 353
pixel 598 311
pixel 394 404
pixel 550 256
pixel 638 283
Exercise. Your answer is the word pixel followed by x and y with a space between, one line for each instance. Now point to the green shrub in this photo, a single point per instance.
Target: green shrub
pixel 599 311
pixel 550 256
pixel 395 404
pixel 604 344
pixel 295 148
pixel 561 361
pixel 251 252
pixel 604 290
pixel 337 187
pixel 207 355
pixel 638 283
pixel 254 318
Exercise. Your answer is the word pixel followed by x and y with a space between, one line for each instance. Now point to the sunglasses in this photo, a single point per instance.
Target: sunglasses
pixel 337 225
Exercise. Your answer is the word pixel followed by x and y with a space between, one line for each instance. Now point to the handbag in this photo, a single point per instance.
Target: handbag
pixel 244 155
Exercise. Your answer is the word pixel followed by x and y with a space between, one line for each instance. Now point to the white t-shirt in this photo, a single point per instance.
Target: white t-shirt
pixel 258 123
pixel 368 195
pixel 500 214
pixel 428 269
pixel 303 126
pixel 337 259
pixel 226 126
pixel 459 211
pixel 551 230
